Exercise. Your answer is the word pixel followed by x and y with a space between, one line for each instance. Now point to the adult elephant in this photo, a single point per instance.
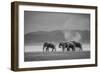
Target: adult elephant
pixel 77 44
pixel 67 46
pixel 47 46
pixel 70 45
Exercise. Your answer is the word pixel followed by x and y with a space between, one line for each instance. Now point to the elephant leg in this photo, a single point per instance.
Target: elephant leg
pixel 81 48
pixel 55 49
pixel 47 49
pixel 63 49
pixel 73 48
pixel 52 49
pixel 68 49
pixel 43 49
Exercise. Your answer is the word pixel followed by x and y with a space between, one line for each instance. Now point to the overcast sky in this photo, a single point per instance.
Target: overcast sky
pixel 47 21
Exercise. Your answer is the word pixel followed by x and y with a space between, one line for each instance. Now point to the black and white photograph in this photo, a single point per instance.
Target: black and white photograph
pixel 52 36
pixel 56 36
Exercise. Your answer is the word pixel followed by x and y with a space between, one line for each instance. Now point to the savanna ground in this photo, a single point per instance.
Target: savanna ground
pixel 38 54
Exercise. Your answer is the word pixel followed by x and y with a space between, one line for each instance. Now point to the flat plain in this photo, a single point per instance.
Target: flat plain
pixel 44 56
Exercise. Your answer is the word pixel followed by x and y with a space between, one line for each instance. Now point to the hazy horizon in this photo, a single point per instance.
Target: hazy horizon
pixel 50 21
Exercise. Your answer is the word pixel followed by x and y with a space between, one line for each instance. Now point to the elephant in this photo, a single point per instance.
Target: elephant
pixel 67 45
pixel 77 45
pixel 70 45
pixel 47 46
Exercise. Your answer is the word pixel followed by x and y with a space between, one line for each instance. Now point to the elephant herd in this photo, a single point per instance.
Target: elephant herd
pixel 71 45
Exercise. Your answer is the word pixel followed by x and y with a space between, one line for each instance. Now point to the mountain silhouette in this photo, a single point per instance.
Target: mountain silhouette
pixel 55 36
pixel 43 36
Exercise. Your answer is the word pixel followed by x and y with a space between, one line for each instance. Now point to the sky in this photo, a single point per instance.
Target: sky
pixel 50 21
